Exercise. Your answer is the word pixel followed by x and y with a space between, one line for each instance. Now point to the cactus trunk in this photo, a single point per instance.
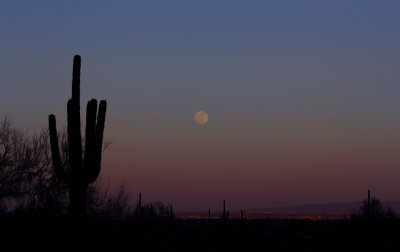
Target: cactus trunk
pixel 139 207
pixel 369 204
pixel 224 213
pixel 77 194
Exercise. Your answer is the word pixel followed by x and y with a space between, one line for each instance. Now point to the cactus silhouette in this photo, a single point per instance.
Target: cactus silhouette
pixel 139 207
pixel 82 171
pixel 242 216
pixel 172 215
pixel 369 204
pixel 225 215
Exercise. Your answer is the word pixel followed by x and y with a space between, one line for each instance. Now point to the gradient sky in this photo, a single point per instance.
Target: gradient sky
pixel 303 97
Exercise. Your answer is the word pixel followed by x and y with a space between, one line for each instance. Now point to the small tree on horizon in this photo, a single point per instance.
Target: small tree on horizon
pixel 373 209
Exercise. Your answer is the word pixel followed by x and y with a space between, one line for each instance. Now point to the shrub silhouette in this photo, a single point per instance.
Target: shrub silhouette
pixel 82 171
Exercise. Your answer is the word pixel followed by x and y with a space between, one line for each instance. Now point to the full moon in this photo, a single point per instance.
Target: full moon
pixel 201 117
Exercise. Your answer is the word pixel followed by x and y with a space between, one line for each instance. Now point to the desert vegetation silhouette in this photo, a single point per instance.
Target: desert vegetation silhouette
pixel 82 171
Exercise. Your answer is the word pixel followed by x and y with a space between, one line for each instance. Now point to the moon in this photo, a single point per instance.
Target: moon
pixel 201 117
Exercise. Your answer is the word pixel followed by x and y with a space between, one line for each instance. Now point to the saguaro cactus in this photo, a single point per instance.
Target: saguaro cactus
pixel 225 215
pixel 139 207
pixel 369 204
pixel 172 215
pixel 82 171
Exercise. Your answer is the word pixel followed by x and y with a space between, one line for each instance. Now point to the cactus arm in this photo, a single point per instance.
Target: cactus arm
pixel 95 171
pixel 91 111
pixel 55 152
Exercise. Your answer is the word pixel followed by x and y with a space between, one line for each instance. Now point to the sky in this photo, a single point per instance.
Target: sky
pixel 302 96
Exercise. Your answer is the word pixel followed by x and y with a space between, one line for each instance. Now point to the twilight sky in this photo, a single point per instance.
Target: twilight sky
pixel 303 97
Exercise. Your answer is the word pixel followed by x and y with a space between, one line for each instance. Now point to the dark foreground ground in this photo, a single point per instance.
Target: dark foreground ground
pixel 22 233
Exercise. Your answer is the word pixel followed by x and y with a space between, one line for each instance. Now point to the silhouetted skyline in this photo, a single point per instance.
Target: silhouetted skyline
pixel 302 97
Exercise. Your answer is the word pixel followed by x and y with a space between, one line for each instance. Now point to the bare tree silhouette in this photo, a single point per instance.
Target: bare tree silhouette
pixel 13 161
pixel 105 203
pixel 29 185
pixel 24 174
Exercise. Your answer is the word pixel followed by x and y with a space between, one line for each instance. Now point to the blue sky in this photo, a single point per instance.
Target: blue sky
pixel 314 77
